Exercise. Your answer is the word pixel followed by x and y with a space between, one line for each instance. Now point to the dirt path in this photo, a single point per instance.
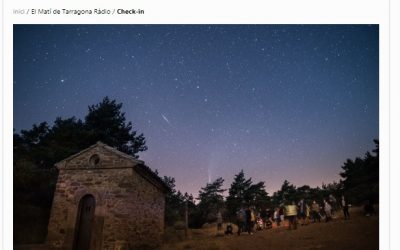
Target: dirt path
pixel 358 233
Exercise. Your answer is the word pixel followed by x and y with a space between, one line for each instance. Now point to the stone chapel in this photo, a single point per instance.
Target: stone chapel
pixel 106 199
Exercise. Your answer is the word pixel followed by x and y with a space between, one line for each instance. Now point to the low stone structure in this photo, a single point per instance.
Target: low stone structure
pixel 106 199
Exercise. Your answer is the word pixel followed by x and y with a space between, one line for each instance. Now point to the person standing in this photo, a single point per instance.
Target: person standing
pixel 277 218
pixel 241 215
pixel 332 202
pixel 315 212
pixel 302 211
pixel 264 217
pixel 281 213
pixel 269 219
pixel 345 207
pixel 248 221
pixel 327 209
pixel 291 214
pixel 253 220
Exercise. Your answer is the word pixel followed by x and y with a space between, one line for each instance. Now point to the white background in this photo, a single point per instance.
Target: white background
pixel 223 12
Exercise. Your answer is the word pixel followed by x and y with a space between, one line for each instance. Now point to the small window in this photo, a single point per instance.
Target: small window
pixel 94 160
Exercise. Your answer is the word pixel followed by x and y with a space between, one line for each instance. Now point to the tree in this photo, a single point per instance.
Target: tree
pixel 237 192
pixel 243 193
pixel 361 177
pixel 256 195
pixel 175 205
pixel 174 202
pixel 286 194
pixel 105 122
pixel 304 192
pixel 45 145
pixel 211 199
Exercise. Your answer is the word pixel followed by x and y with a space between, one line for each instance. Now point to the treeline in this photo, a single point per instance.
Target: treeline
pixel 37 150
pixel 360 184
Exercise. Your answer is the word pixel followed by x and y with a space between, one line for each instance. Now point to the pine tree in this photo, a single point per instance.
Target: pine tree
pixel 256 195
pixel 286 194
pixel 243 193
pixel 105 122
pixel 361 177
pixel 237 192
pixel 211 199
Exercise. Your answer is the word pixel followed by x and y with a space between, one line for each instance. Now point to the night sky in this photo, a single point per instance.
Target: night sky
pixel 278 101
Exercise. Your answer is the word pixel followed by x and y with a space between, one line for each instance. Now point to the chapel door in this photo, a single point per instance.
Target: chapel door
pixel 85 223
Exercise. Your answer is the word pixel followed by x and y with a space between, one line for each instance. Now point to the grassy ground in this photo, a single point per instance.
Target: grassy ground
pixel 359 232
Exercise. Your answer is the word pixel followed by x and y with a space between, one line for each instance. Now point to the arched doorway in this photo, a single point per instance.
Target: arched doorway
pixel 84 223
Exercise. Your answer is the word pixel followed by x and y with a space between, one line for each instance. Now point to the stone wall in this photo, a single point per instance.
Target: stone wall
pixel 129 209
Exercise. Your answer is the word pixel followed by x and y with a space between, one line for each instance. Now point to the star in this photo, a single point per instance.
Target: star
pixel 267 93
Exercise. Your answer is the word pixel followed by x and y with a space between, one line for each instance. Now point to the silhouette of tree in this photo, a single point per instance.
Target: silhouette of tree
pixel 105 122
pixel 243 193
pixel 286 194
pixel 175 203
pixel 256 195
pixel 237 193
pixel 211 199
pixel 361 177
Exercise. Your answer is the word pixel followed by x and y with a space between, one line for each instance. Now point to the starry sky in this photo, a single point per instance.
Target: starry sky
pixel 278 101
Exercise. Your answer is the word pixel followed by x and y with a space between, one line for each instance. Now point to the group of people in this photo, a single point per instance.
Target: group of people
pixel 249 219
pixel 246 220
